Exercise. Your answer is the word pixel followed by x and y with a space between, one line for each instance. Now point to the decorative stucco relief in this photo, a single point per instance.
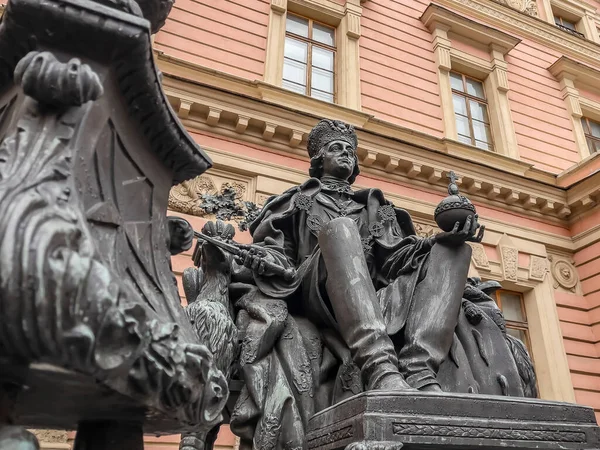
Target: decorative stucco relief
pixel 528 7
pixel 564 273
pixel 190 196
pixel 479 257
pixel 215 196
pixel 538 267
pixel 510 262
pixel 424 230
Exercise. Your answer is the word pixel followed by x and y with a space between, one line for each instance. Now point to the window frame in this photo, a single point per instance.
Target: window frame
pixel 310 42
pixel 578 13
pixel 587 132
pixel 513 324
pixel 483 101
pixel 560 24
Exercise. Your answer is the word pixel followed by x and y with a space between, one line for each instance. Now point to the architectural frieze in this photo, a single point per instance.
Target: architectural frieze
pixel 285 130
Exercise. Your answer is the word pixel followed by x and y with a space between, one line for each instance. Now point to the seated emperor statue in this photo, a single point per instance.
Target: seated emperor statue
pixel 361 273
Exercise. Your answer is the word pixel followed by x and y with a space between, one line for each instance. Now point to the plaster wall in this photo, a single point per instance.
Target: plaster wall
pixel 228 36
pixel 397 56
pixel 398 77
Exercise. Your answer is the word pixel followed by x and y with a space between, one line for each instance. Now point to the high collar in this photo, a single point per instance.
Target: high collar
pixel 333 184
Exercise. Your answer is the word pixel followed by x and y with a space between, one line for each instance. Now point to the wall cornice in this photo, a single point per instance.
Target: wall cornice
pixel 384 150
pixel 531 241
pixel 523 25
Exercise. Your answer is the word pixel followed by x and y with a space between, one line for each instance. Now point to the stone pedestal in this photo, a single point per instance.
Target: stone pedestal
pixel 411 421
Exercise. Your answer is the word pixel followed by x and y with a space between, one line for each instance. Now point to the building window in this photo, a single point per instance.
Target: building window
pixel 568 26
pixel 591 129
pixel 513 309
pixel 471 111
pixel 309 58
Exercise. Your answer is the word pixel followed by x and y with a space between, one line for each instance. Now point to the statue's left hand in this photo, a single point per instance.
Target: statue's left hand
pixel 181 235
pixel 471 231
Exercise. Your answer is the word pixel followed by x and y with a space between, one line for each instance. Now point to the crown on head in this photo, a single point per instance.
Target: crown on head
pixel 327 131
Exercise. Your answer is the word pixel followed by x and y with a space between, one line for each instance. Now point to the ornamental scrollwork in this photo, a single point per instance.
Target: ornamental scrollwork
pixel 74 311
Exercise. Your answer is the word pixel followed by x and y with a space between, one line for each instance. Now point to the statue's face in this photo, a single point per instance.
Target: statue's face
pixel 339 158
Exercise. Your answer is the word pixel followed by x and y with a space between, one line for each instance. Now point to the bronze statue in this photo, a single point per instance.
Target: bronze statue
pixel 337 294
pixel 361 268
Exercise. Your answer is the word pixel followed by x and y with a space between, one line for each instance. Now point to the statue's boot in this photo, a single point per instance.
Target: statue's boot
pixel 356 308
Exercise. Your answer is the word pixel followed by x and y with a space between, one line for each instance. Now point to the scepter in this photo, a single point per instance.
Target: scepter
pixel 241 250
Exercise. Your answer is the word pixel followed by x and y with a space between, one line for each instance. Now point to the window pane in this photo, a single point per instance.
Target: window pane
pixel 511 307
pixel 323 34
pixel 322 80
pixel 594 128
pixel 483 145
pixel 475 88
pixel 584 124
pixel 300 89
pixel 460 104
pixel 481 131
pixel 295 49
pixel 591 145
pixel 567 24
pixel 557 20
pixel 462 126
pixel 478 112
pixel 519 334
pixel 322 95
pixel 456 82
pixel 294 71
pixel 322 58
pixel 465 139
pixel 296 25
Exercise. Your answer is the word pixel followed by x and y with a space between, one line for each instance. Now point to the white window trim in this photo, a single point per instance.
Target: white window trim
pixel 570 74
pixel 577 11
pixel 440 22
pixel 346 19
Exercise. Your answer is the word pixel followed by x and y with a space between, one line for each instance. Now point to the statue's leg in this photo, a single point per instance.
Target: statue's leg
pixel 355 306
pixel 433 316
pixel 109 436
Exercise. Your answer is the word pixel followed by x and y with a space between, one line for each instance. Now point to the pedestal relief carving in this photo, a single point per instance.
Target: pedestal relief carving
pixel 564 273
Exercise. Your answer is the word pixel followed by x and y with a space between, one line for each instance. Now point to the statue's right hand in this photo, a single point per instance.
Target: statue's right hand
pixel 254 258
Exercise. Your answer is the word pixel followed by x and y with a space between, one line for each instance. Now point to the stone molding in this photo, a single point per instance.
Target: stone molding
pixel 285 131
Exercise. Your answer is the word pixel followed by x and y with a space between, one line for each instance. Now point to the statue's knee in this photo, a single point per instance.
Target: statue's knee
pixel 340 232
pixel 339 227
